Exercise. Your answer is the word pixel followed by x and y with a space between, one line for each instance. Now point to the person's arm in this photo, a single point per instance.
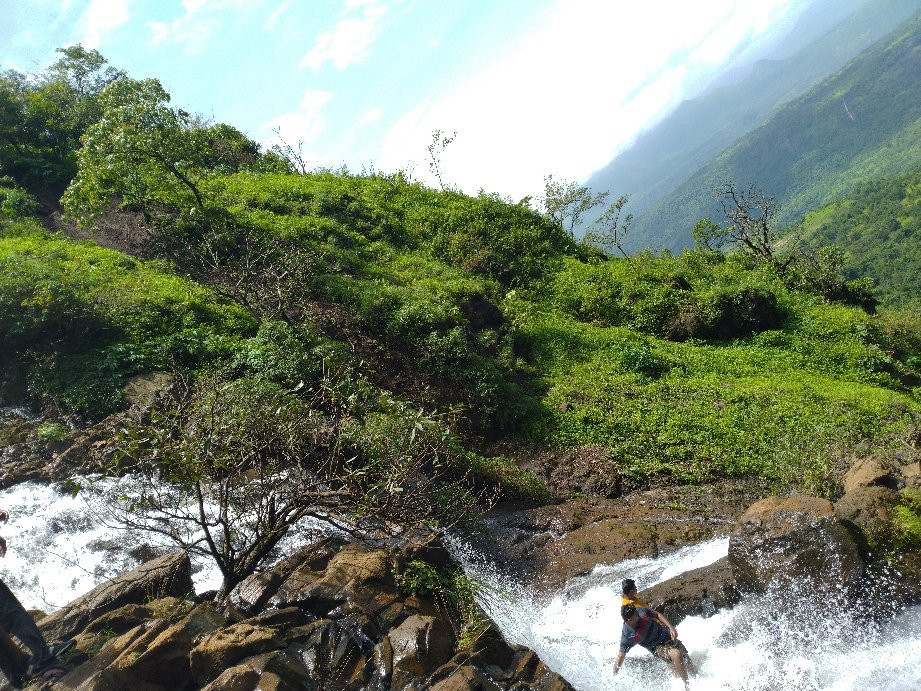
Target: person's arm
pixel 619 661
pixel 667 624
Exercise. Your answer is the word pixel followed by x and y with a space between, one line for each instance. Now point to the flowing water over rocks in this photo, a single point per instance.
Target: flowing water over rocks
pixel 783 639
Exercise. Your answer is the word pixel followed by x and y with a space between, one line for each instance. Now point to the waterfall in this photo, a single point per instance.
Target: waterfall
pixel 780 640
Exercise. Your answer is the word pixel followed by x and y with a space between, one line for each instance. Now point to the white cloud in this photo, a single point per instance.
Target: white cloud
pixel 305 124
pixel 100 18
pixel 350 42
pixel 273 18
pixel 372 115
pixel 197 23
pixel 572 93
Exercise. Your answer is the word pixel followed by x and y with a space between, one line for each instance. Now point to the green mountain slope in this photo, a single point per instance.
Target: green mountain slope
pixel 374 301
pixel 817 146
pixel 699 129
pixel 879 227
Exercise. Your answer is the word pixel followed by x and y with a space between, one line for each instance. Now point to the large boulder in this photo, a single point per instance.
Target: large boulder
pixel 783 542
pixel 683 595
pixel 169 575
pixel 253 593
pixel 420 645
pixel 357 575
pixel 152 656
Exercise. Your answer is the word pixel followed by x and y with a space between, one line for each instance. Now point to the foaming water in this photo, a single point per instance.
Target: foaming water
pixel 61 545
pixel 782 640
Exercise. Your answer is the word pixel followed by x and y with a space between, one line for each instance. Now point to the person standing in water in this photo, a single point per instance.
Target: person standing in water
pixel 629 596
pixel 655 633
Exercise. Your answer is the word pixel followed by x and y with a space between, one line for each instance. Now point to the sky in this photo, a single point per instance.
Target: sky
pixel 531 87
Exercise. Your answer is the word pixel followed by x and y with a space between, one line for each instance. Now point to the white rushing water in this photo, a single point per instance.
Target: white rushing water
pixel 61 545
pixel 576 631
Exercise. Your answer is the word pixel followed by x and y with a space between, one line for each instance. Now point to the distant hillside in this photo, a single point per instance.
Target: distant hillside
pixel 879 227
pixel 665 156
pixel 859 124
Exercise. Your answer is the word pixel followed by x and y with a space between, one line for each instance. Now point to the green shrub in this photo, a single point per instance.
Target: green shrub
pixel 15 202
pixel 76 320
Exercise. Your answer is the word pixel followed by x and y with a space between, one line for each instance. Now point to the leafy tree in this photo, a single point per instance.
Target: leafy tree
pixel 43 117
pixel 141 151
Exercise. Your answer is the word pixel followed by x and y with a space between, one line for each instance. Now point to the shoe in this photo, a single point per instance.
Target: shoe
pixel 61 647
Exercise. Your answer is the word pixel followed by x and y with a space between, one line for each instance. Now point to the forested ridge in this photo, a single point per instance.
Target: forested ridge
pixel 858 125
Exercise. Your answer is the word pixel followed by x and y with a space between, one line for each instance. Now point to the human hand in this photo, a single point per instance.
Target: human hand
pixel 616 669
pixel 4 516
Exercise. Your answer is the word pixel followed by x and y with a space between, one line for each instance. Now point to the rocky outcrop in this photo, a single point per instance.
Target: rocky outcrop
pixel 549 544
pixel 331 616
pixel 782 542
pixel 170 575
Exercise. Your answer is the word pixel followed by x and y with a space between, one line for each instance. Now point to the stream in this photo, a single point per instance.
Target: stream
pixel 772 642
pixel 60 545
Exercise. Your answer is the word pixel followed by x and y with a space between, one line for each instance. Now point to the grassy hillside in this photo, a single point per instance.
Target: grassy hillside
pixel 860 122
pixel 879 227
pixel 410 320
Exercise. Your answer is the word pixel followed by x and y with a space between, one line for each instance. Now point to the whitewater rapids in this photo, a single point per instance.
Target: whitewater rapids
pixel 774 642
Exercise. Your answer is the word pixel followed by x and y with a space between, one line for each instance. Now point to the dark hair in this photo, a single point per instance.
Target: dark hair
pixel 628 585
pixel 627 611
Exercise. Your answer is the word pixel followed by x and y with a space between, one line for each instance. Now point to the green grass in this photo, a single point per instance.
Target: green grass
pixel 76 320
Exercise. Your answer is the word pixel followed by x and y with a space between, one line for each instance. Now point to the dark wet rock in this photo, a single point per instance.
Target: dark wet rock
pixel 420 645
pixel 684 595
pixel 785 541
pixel 170 575
pixel 356 574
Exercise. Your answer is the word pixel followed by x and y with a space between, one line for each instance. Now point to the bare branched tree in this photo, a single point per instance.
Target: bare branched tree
pixel 268 275
pixel 566 203
pixel 609 230
pixel 440 142
pixel 294 155
pixel 230 467
pixel 750 216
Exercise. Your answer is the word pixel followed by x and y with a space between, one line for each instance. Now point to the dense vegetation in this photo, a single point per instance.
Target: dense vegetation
pixel 855 126
pixel 391 298
pixel 879 227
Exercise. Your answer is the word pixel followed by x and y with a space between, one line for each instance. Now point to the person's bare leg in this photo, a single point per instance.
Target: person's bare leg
pixel 678 666
pixel 689 664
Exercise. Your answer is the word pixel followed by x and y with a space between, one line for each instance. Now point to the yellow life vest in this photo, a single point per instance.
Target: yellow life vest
pixel 635 601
